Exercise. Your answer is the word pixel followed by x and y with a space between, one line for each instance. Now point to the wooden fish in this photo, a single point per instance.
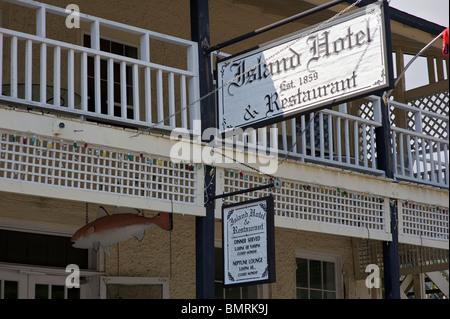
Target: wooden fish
pixel 107 229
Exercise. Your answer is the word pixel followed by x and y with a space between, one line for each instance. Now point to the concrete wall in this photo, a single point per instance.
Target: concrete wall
pixel 154 255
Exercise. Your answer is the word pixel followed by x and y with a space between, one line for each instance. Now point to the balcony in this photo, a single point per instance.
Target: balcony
pixel 101 80
pixel 108 90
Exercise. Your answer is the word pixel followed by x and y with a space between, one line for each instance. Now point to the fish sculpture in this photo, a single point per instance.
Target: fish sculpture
pixel 107 229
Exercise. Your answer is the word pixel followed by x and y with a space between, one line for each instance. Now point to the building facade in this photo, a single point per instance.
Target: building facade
pixel 99 101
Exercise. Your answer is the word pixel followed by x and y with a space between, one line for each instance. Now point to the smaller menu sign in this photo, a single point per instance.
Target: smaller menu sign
pixel 248 242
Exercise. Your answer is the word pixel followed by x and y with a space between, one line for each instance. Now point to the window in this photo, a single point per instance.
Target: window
pixel 39 249
pixel 32 266
pixel 119 49
pixel 317 278
pixel 9 289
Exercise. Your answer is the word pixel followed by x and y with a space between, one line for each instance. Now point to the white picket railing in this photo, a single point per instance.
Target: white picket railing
pixel 139 105
pixel 334 137
pixel 418 156
pixel 327 137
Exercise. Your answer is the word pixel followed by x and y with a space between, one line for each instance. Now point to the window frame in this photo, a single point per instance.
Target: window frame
pixel 323 257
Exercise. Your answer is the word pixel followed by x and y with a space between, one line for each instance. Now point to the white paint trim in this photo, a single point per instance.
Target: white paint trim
pixel 425 242
pixel 27 188
pixel 36 227
pixel 319 227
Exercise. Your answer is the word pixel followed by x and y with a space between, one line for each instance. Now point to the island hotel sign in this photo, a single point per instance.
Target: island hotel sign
pixel 316 68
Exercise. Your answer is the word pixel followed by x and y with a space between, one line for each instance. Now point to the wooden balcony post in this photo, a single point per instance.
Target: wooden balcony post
pixel 40 21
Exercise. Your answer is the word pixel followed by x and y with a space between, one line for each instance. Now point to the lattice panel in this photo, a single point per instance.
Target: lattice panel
pixel 417 256
pixel 437 103
pixel 366 110
pixel 429 222
pixel 366 132
pixel 77 165
pixel 315 203
pixel 368 252
pixel 410 256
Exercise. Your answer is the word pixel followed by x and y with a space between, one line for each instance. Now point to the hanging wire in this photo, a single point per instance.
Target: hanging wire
pixel 281 162
pixel 87 213
pixel 387 94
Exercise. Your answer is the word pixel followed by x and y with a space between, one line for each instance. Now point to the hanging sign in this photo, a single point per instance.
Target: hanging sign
pixel 316 68
pixel 248 242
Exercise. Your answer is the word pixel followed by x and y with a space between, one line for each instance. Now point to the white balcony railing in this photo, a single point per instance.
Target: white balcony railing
pixel 89 82
pixel 334 137
pixel 420 156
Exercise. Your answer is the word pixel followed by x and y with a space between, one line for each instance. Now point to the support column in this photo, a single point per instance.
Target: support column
pixel 385 162
pixel 390 259
pixel 419 286
pixel 204 233
pixel 390 249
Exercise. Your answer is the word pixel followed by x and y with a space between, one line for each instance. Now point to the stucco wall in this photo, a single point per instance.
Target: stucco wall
pixel 154 255
pixel 290 242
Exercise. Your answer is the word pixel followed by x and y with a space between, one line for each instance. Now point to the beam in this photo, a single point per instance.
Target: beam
pixel 440 281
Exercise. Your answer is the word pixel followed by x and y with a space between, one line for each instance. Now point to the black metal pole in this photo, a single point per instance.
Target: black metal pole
pixel 274 25
pixel 391 266
pixel 204 226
